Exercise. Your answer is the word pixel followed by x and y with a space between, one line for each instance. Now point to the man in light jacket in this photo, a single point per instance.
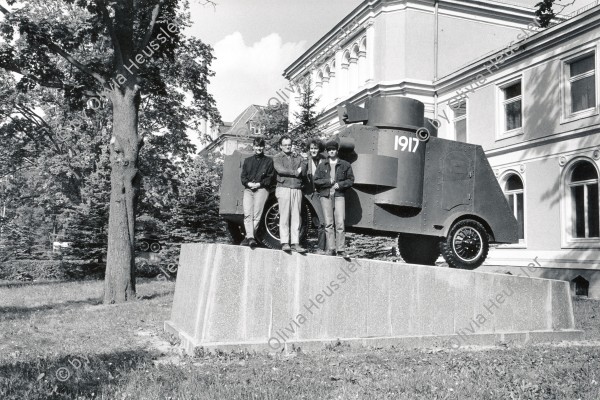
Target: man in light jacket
pixel 289 195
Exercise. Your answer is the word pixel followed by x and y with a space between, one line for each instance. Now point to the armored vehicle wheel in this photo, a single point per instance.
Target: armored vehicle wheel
pixel 268 229
pixel 236 232
pixel 466 246
pixel 418 249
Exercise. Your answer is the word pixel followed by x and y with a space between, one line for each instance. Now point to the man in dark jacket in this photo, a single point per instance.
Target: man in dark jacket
pixel 332 178
pixel 289 195
pixel 257 177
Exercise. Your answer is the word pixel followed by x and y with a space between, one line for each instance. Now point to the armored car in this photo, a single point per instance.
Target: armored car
pixel 440 196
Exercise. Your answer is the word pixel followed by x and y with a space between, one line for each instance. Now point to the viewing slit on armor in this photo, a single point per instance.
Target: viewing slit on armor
pixel 257 177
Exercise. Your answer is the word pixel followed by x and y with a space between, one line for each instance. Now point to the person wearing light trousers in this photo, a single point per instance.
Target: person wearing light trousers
pixel 289 195
pixel 257 177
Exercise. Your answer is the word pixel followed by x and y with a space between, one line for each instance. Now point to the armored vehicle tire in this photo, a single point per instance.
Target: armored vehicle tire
pixel 268 229
pixel 466 245
pixel 236 233
pixel 418 249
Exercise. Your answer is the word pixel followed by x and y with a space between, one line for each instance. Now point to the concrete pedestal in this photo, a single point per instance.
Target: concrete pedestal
pixel 232 297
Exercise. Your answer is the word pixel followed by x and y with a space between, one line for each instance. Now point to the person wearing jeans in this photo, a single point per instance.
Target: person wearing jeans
pixel 289 195
pixel 257 177
pixel 310 164
pixel 332 178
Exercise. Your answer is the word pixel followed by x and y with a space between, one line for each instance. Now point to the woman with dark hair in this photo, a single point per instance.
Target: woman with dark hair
pixel 315 148
pixel 257 178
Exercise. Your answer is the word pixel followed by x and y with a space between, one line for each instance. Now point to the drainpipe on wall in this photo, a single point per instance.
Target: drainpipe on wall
pixel 435 55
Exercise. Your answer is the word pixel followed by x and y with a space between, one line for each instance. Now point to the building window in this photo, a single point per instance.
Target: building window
pixel 582 189
pixel 581 286
pixel 513 190
pixel 460 122
pixel 582 83
pixel 512 107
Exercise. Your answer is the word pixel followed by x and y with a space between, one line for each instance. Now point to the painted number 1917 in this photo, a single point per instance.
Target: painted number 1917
pixel 406 143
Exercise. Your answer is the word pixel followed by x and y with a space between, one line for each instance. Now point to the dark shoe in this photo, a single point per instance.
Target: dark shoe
pixel 286 247
pixel 331 252
pixel 342 254
pixel 245 242
pixel 298 249
pixel 253 243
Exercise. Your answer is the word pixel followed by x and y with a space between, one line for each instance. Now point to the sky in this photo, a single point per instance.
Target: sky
pixel 255 40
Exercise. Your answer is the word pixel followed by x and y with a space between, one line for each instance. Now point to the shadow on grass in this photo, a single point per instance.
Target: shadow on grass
pixel 12 313
pixel 68 377
pixel 17 284
pixel 156 295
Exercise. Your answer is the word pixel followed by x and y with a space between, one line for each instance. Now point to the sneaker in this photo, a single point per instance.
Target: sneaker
pixel 252 242
pixel 286 247
pixel 245 242
pixel 341 254
pixel 298 249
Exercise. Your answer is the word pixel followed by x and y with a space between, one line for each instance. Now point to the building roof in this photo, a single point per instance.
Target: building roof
pixel 368 9
pixel 247 115
pixel 578 22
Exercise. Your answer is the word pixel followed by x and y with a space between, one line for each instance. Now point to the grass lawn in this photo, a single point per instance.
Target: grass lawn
pixel 58 342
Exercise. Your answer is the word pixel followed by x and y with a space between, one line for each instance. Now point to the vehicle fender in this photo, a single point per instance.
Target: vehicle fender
pixel 450 220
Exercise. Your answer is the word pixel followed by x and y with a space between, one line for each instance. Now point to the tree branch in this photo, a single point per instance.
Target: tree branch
pixel 57 49
pixel 148 35
pixel 74 62
pixel 111 31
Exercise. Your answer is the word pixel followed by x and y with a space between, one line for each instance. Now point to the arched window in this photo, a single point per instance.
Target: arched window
pixel 362 62
pixel 345 75
pixel 353 82
pixel 582 187
pixel 513 190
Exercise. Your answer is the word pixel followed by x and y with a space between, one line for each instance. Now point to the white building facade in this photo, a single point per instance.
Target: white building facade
pixel 491 77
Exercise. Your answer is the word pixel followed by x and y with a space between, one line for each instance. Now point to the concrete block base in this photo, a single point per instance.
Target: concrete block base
pixel 233 298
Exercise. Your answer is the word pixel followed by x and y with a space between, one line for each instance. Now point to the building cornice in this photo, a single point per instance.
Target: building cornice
pixel 537 43
pixel 363 15
pixel 382 89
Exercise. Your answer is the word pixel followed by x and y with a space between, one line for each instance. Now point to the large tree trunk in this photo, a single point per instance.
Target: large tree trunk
pixel 119 282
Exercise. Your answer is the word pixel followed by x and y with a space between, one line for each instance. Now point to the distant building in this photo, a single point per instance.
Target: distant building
pixel 488 75
pixel 239 133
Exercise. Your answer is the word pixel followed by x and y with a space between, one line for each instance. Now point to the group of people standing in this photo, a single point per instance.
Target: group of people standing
pixel 317 176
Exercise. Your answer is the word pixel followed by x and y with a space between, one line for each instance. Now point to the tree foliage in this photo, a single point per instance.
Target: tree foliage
pixel 131 59
pixel 275 122
pixel 196 212
pixel 547 10
pixel 307 119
